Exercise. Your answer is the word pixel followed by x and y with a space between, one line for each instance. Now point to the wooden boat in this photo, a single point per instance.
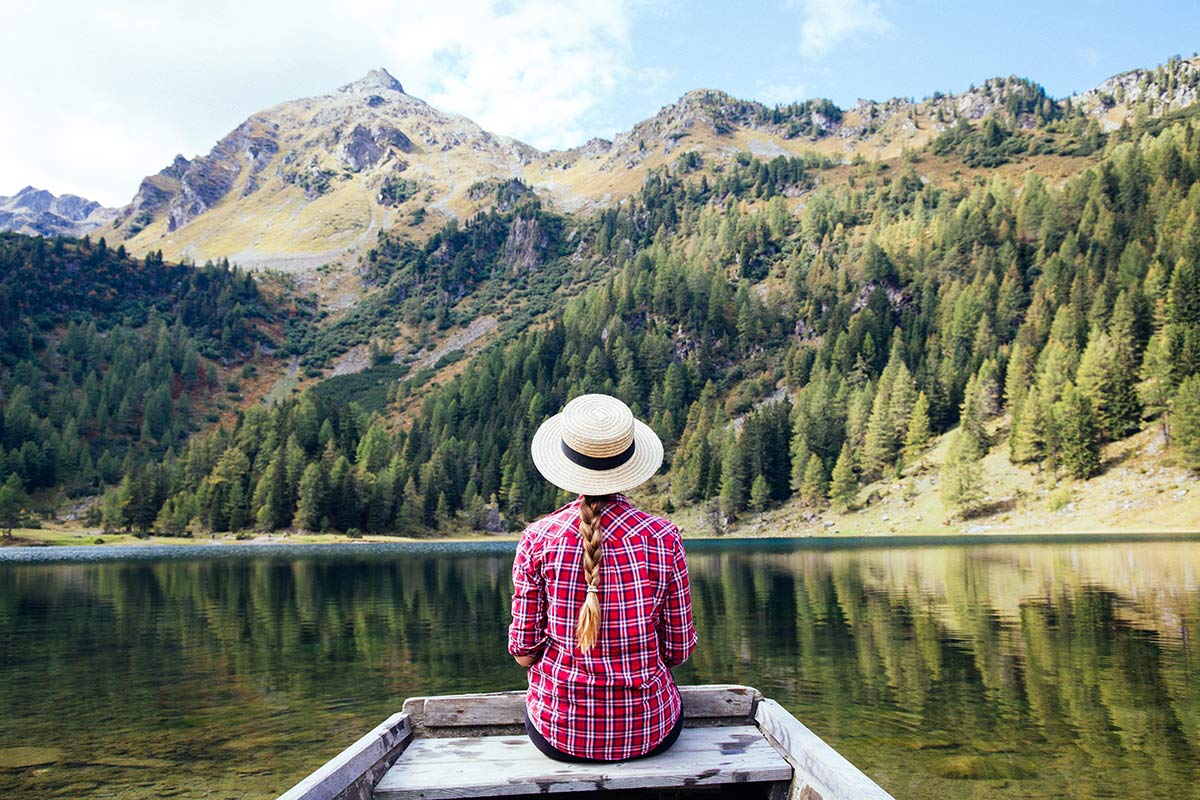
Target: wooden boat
pixel 735 743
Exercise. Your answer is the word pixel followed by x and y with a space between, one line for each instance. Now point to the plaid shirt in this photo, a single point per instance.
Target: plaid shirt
pixel 618 700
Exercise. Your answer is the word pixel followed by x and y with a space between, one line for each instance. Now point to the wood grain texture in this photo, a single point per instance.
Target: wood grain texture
pixel 821 773
pixel 440 769
pixel 351 773
pixel 508 708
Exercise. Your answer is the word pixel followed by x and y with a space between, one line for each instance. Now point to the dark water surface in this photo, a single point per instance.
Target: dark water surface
pixel 1026 670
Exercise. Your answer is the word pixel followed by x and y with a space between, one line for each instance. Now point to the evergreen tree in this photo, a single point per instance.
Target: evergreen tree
pixel 13 503
pixel 1027 439
pixel 879 450
pixel 843 485
pixel 961 477
pixel 815 486
pixel 760 493
pixel 310 502
pixel 918 435
pixel 1107 381
pixel 1158 381
pixel 733 482
pixel 800 459
pixel 1078 434
pixel 273 509
pixel 1186 426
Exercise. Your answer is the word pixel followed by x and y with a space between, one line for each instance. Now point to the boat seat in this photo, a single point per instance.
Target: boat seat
pixel 496 766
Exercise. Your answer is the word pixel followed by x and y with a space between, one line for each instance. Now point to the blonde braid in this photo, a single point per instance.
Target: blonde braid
pixel 591 534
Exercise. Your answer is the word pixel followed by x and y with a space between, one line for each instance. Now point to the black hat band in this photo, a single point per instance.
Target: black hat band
pixel 592 462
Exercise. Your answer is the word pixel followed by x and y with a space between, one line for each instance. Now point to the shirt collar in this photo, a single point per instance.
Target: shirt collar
pixel 616 499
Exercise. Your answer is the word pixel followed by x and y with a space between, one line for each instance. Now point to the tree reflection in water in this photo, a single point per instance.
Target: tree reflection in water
pixel 1032 671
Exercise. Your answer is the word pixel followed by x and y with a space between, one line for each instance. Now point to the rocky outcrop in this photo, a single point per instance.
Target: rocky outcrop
pixel 524 249
pixel 153 194
pixel 1166 88
pixel 206 181
pixel 367 145
pixel 374 82
pixel 37 212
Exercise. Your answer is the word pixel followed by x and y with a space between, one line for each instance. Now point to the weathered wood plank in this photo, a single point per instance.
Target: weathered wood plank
pixel 821 773
pixel 508 708
pixel 351 774
pixel 507 748
pixel 702 756
pixel 718 700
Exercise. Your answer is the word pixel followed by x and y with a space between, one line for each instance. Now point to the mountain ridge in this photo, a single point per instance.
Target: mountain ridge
pixel 39 212
pixel 310 181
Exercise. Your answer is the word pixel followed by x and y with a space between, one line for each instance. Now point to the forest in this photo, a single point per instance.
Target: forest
pixel 109 362
pixel 778 353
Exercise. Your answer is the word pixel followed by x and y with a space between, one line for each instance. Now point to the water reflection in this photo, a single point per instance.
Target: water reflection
pixel 1016 670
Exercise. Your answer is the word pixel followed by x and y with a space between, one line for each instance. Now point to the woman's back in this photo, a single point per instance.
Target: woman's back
pixel 617 699
pixel 601 603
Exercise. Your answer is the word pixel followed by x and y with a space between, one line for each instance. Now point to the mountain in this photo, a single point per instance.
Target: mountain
pixel 40 213
pixel 307 181
pixel 314 180
pixel 954 309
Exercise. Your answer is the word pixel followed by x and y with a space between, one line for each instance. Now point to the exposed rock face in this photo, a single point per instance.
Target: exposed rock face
pixel 1172 86
pixel 37 212
pixel 375 81
pixel 367 145
pixel 153 194
pixel 525 246
pixel 207 180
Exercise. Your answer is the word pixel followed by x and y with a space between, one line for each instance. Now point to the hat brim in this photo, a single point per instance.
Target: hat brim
pixel 555 467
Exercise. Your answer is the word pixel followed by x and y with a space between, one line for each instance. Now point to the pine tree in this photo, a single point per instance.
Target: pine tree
pixel 760 493
pixel 13 502
pixel 974 414
pixel 843 485
pixel 879 451
pixel 918 435
pixel 961 477
pixel 272 509
pixel 1107 381
pixel 815 487
pixel 904 399
pixel 1027 439
pixel 1186 426
pixel 1158 381
pixel 733 484
pixel 1078 434
pixel 310 499
pixel 800 459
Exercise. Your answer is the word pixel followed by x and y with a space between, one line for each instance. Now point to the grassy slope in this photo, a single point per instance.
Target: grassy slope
pixel 1138 490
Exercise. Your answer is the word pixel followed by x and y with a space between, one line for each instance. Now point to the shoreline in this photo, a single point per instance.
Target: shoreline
pixel 319 545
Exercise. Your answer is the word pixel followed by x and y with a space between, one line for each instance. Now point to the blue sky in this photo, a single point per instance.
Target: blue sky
pixel 98 95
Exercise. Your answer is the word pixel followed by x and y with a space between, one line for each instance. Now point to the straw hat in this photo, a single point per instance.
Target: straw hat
pixel 595 446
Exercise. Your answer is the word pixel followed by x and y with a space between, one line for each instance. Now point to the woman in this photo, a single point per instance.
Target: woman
pixel 601 603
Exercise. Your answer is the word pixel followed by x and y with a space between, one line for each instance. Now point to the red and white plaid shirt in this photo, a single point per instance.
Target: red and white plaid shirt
pixel 618 700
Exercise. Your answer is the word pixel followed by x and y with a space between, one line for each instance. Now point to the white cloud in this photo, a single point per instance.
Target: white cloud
pixel 829 23
pixel 98 95
pixel 780 93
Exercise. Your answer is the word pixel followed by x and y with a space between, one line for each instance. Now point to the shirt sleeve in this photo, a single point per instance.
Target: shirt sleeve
pixel 527 633
pixel 676 630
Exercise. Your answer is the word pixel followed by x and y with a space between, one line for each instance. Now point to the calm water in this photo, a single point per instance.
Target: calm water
pixel 1015 670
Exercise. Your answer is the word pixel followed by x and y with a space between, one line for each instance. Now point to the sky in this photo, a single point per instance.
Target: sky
pixel 95 96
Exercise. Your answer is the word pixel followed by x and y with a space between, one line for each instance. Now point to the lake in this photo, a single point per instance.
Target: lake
pixel 1024 670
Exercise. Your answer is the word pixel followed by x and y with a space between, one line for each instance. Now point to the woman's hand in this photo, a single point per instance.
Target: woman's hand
pixel 526 661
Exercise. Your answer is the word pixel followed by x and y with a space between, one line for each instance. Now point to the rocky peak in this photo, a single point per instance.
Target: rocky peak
pixel 377 80
pixel 32 199
pixel 38 212
pixel 176 168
